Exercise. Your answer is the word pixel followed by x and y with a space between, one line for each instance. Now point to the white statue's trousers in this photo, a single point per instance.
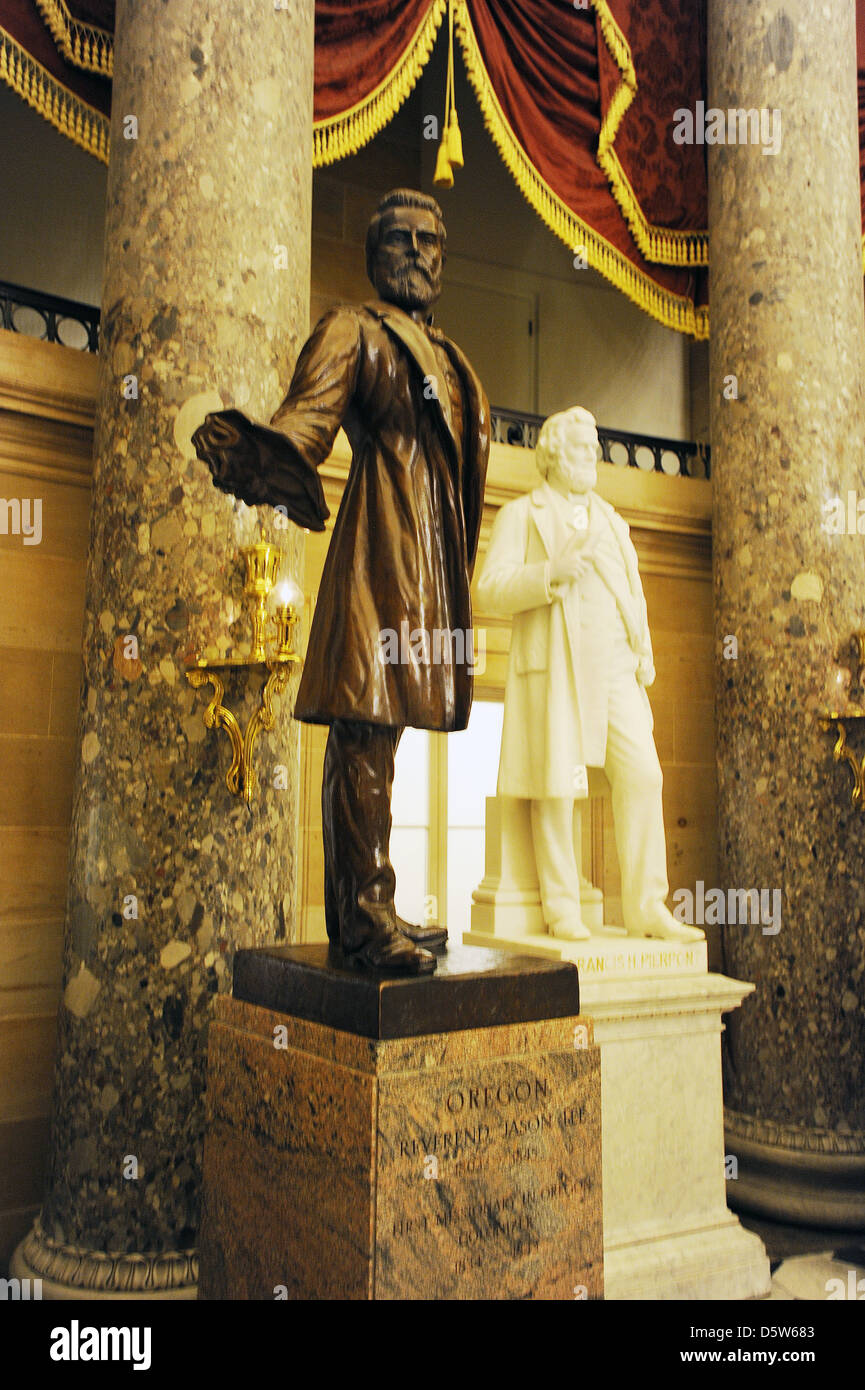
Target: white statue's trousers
pixel 635 778
pixel 553 836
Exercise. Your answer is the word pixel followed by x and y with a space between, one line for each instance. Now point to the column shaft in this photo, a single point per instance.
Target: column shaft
pixel 788 435
pixel 205 304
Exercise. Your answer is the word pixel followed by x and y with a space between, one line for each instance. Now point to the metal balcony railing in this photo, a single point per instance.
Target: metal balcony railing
pixel 65 321
pixel 49 317
pixel 676 457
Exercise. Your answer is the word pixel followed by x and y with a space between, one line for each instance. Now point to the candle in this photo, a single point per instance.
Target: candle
pixel 287 594
pixel 839 691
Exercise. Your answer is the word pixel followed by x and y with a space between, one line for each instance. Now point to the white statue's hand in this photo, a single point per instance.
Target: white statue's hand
pixel 645 671
pixel 571 563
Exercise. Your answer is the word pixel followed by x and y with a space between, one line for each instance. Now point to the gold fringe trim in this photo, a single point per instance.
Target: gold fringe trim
pixel 74 118
pixel 674 311
pixel 338 136
pixel 85 45
pixel 660 244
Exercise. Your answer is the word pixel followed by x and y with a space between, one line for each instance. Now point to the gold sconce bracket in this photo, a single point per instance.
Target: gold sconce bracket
pixel 848 688
pixel 240 777
pixel 836 722
pixel 262 566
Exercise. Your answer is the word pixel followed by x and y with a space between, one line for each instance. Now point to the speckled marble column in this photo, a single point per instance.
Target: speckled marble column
pixel 205 303
pixel 788 435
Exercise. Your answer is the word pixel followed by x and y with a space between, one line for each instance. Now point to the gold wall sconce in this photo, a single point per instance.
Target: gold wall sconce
pixel 847 708
pixel 262 562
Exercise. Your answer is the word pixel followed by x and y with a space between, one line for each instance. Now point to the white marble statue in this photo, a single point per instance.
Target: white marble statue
pixel 562 566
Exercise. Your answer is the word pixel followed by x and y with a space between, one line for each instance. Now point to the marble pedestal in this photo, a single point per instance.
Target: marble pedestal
pixel 657 1015
pixel 355 1153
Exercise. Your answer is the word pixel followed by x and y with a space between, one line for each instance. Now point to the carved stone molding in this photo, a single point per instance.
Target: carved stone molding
pixel 811 1177
pixel 47 380
pixel 796 1137
pixel 99 1272
pixel 47 403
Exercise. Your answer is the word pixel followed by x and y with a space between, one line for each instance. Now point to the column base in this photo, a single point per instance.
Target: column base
pixel 74 1272
pixel 808 1177
pixel 726 1262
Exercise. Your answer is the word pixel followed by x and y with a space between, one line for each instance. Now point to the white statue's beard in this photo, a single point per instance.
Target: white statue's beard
pixel 576 484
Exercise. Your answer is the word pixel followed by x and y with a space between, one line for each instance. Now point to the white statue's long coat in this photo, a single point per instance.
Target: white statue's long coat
pixel 563 652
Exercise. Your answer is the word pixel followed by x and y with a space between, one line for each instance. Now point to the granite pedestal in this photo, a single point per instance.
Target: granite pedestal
pixel 374 1138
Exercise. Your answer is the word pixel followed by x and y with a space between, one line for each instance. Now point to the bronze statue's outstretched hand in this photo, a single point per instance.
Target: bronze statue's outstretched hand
pixel 230 455
pixel 260 466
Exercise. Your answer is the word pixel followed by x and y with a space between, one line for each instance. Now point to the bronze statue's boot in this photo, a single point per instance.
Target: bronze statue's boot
pixel 394 953
pixel 331 904
pixel 431 937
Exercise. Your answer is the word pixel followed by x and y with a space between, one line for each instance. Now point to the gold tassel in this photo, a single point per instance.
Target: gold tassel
pixel 454 142
pixel 86 45
pixel 443 176
pixel 83 124
pixel 450 152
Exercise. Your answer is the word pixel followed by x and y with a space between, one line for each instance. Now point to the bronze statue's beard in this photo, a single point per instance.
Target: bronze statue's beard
pixel 410 288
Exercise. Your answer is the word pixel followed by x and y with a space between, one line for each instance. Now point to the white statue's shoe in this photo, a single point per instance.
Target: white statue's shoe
pixel 663 925
pixel 569 929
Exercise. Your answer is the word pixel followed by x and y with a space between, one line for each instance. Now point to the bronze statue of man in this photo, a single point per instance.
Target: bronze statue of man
pixel 402 551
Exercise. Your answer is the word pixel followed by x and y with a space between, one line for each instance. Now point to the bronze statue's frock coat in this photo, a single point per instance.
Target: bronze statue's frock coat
pixel 400 561
pixel 406 534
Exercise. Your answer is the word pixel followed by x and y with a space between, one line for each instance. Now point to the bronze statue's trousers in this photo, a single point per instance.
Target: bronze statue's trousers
pixel 356 787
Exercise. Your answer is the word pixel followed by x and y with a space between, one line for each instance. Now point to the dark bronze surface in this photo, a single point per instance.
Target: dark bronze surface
pixel 472 988
pixel 403 546
pixel 428 936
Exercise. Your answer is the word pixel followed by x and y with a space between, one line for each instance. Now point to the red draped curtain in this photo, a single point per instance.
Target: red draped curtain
pixel 368 56
pixel 659 186
pixel 547 80
pixel 555 84
pixel 579 100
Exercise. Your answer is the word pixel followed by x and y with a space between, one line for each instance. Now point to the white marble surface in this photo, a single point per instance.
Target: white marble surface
pixel 657 1016
pixel 667 1231
pixel 819 1278
pixel 561 566
pixel 508 898
pixel 606 955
